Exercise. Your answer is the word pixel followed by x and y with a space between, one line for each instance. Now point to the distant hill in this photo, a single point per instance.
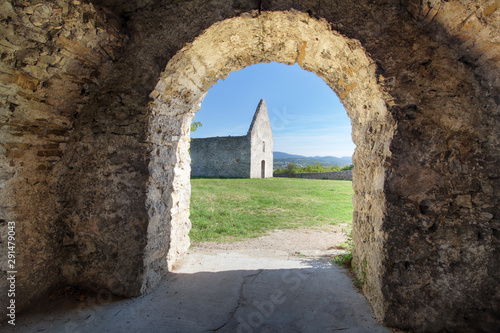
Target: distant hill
pixel 281 159
pixel 279 155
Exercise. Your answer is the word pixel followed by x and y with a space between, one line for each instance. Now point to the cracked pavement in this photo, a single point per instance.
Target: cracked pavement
pixel 223 291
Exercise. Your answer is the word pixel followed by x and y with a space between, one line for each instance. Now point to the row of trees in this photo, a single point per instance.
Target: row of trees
pixel 316 167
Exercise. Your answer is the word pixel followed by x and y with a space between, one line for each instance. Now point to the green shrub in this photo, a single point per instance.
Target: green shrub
pixel 345 259
pixel 348 167
pixel 291 168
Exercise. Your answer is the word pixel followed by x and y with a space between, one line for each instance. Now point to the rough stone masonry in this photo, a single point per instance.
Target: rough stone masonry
pixel 96 99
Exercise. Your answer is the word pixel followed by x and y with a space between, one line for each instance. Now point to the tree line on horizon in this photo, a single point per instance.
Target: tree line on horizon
pixel 291 168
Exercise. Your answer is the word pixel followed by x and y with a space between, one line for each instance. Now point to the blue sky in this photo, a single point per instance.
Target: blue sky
pixel 306 116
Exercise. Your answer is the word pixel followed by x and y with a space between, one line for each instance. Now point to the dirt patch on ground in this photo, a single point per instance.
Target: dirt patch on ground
pixel 306 241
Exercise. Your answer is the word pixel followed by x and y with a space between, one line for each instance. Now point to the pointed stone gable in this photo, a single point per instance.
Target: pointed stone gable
pixel 260 115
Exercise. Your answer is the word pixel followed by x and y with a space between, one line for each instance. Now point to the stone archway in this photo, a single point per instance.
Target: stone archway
pixel 94 188
pixel 285 37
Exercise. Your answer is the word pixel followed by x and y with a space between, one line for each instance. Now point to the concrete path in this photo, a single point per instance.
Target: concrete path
pixel 224 291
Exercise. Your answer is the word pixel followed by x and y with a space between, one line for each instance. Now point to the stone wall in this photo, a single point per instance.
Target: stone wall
pixel 333 175
pixel 221 157
pixel 51 55
pixel 96 173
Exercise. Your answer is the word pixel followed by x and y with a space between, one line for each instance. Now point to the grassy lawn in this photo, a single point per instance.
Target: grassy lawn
pixel 232 209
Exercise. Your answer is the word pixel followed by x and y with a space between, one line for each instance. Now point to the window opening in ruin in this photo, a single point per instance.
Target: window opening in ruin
pixel 263 146
pixel 263 169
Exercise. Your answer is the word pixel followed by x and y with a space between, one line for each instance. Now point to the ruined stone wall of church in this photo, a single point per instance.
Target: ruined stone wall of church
pixel 221 157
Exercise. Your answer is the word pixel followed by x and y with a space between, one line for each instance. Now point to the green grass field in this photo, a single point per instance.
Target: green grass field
pixel 232 209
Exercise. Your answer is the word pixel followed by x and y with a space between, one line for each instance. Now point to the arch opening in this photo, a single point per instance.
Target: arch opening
pixel 306 118
pixel 284 37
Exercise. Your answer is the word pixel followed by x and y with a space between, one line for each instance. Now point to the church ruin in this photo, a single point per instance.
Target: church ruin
pixel 96 101
pixel 249 156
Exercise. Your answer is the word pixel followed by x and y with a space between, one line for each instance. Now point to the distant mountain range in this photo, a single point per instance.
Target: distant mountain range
pixel 281 159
